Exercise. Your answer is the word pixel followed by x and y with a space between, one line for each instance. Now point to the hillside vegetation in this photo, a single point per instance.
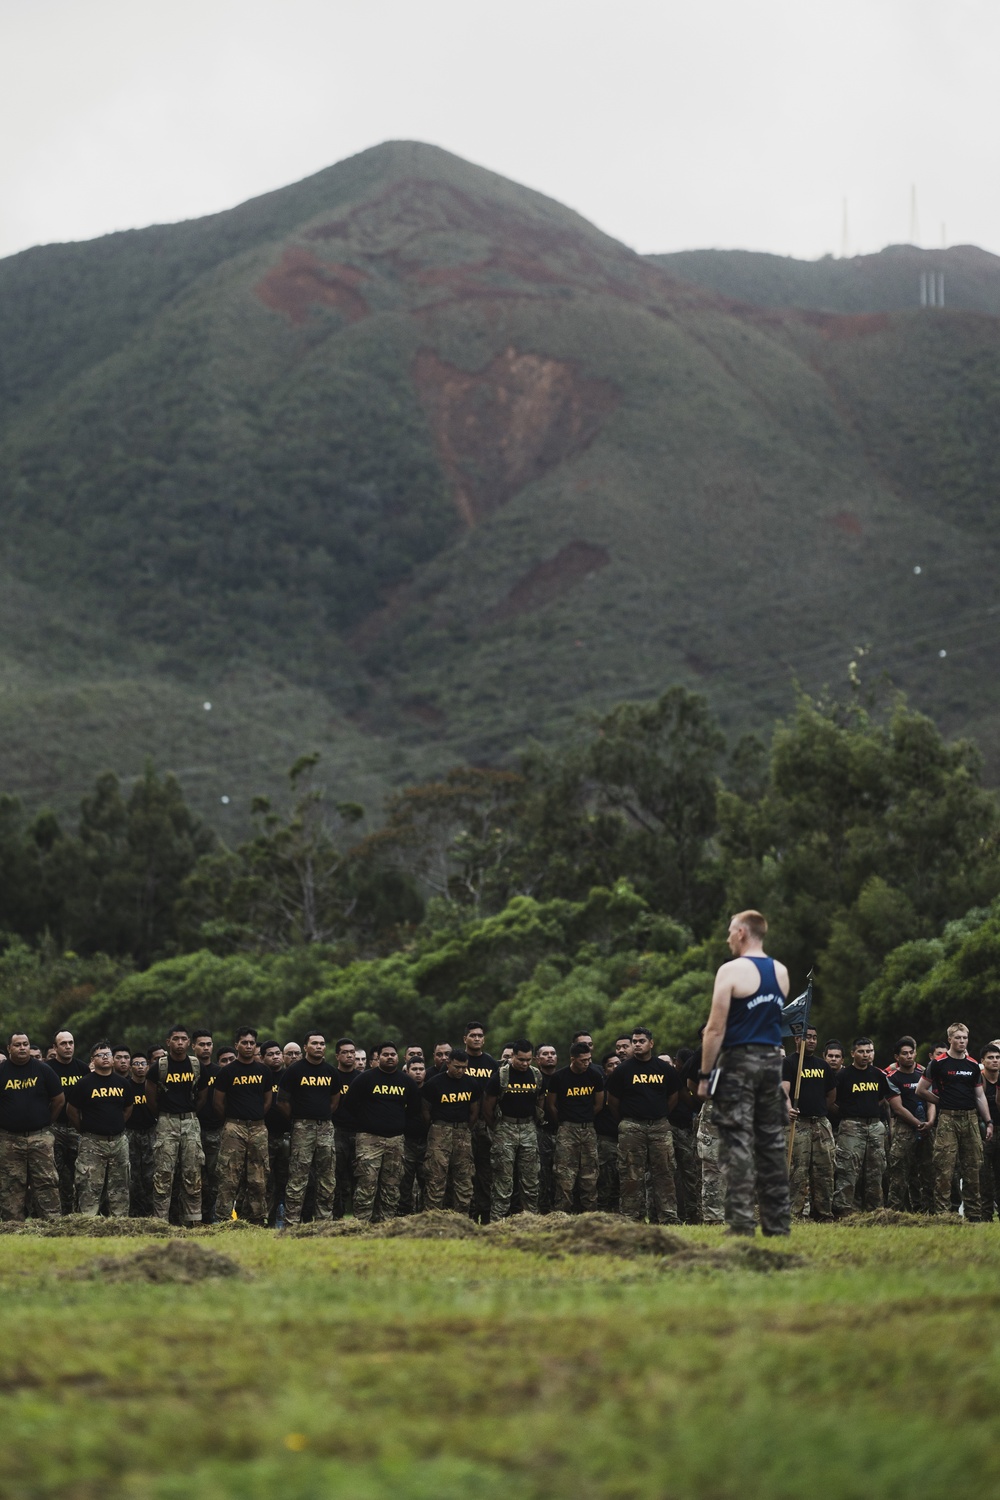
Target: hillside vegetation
pixel 412 465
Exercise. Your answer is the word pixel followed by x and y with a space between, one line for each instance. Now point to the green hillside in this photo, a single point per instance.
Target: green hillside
pixel 410 464
pixel 887 282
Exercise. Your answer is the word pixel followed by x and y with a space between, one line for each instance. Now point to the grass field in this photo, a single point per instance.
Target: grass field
pixel 346 1367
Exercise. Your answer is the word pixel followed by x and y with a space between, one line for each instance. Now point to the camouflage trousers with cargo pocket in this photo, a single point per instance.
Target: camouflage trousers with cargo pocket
pixel 243 1159
pixel 65 1145
pixel 449 1161
pixel 688 1174
pixel 706 1140
pixel 378 1166
pixel 958 1141
pixel 911 1175
pixel 177 1149
pixel 646 1147
pixel 313 1151
pixel 814 1166
pixel 515 1145
pixel 575 1168
pixel 140 1172
pixel 751 1113
pixel 608 1183
pixel 102 1165
pixel 860 1165
pixel 27 1166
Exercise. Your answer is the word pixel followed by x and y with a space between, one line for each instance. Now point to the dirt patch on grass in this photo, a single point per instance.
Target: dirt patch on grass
pixel 181 1261
pixel 76 1226
pixel 499 428
pixel 884 1217
pixel 558 1235
pixel 435 1224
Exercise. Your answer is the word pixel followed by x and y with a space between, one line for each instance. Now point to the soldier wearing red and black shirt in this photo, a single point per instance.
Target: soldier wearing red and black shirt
pixel 955 1084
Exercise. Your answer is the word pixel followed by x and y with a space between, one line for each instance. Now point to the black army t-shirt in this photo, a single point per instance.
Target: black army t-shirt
pixel 990 1090
pixel 817 1081
pixel 276 1120
pixel 207 1118
pixel 102 1102
pixel 860 1092
pixel 954 1080
pixel 384 1103
pixel 142 1117
pixel 25 1095
pixel 482 1068
pixel 575 1094
pixel 177 1094
pixel 451 1099
pixel 644 1089
pixel 907 1085
pixel 518 1101
pixel 69 1074
pixel 246 1088
pixel 310 1088
pixel 343 1119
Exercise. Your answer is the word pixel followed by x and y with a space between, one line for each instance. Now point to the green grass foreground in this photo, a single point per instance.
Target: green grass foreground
pixel 356 1369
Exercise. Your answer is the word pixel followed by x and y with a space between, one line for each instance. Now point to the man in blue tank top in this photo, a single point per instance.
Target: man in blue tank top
pixel 743 1040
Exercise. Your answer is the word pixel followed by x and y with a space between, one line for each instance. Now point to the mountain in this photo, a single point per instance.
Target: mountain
pixel 411 464
pixel 895 280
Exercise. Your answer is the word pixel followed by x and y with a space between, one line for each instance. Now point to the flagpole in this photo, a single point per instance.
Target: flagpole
pixel 798 1072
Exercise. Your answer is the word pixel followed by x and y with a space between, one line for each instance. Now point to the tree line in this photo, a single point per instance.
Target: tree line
pixel 585 888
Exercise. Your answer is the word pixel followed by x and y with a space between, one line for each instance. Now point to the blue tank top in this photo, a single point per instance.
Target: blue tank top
pixel 756 1020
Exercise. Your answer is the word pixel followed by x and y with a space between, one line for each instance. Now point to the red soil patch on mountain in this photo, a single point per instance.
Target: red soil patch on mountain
pixel 499 428
pixel 299 282
pixel 548 579
pixel 854 325
pixel 438 238
pixel 847 522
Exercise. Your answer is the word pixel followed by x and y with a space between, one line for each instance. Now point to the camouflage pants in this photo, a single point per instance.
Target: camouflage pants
pixel 378 1163
pixel 312 1149
pixel 177 1149
pixel 515 1145
pixel 449 1160
pixel 751 1112
pixel 546 1163
pixel 343 1193
pixel 575 1166
pixel 211 1140
pixel 279 1149
pixel 482 1183
pixel 688 1175
pixel 27 1166
pixel 814 1164
pixel 102 1163
pixel 140 1173
pixel 860 1164
pixel 957 1139
pixel 647 1146
pixel 911 1183
pixel 989 1180
pixel 243 1154
pixel 65 1145
pixel 608 1188
pixel 706 1141
pixel 413 1183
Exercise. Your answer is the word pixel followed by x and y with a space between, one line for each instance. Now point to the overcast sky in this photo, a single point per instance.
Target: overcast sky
pixel 714 122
